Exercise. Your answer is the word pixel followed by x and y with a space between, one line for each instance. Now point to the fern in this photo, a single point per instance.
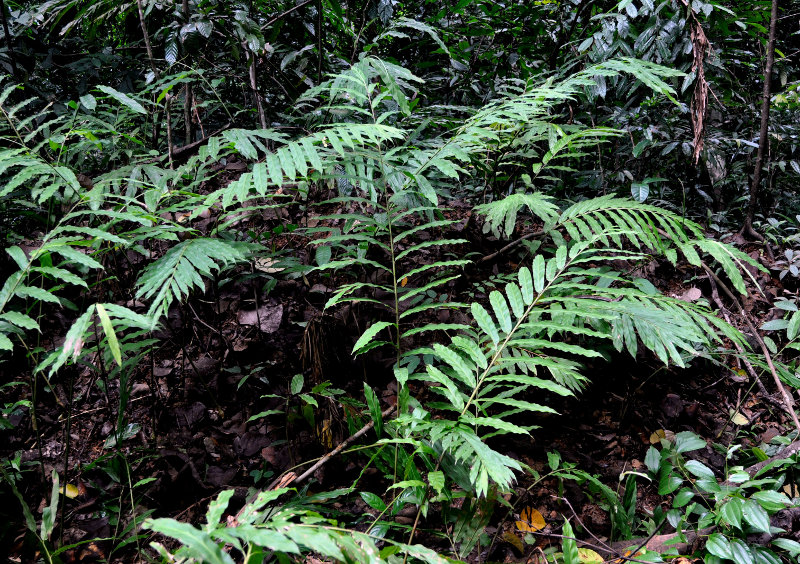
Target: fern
pixel 182 268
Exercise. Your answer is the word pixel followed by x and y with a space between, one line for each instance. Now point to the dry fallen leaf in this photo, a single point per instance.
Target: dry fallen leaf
pixel 267 318
pixel 738 419
pixel 70 490
pixel 514 541
pixel 589 556
pixel 530 520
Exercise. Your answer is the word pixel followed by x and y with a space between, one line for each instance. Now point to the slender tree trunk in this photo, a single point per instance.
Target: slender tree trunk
pixel 7 32
pixel 319 41
pixel 188 101
pixel 763 140
pixel 254 87
pixel 153 68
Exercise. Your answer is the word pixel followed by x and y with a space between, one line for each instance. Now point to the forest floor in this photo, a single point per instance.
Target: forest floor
pixel 192 428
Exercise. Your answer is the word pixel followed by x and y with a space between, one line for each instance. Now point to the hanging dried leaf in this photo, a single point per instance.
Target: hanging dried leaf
pixel 530 520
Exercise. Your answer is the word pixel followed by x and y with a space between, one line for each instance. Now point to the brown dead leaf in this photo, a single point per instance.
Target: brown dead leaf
pixel 268 317
pixel 530 520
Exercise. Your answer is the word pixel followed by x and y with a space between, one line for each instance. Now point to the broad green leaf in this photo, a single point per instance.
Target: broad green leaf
pixel 296 386
pixel 436 480
pixel 756 515
pixel 683 497
pixel 20 320
pixel 537 270
pixel 123 99
pixel 369 334
pixel 699 469
pixel 216 508
pixel 741 552
pixel 373 501
pixel 687 441
pixel 526 284
pixel 719 546
pixel 731 512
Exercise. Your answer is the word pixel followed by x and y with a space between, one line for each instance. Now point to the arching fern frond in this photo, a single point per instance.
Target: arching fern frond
pixel 182 269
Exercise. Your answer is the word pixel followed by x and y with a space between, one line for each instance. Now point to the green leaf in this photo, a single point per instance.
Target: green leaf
pixel 198 544
pixel 640 191
pixel 719 546
pixel 771 500
pixel 20 320
pixel 373 501
pixel 775 325
pixel 789 545
pixel 463 371
pixel 500 308
pixel 296 385
pixel 569 546
pixel 111 336
pixel 374 405
pixel 699 469
pixel 19 256
pixel 368 335
pixel 216 508
pixel 538 270
pixel 436 480
pixel 684 496
pixel 652 460
pixel 731 512
pixel 485 322
pixel 526 284
pixel 36 294
pixel 740 552
pixel 668 484
pixel 88 101
pixel 123 99
pixel 687 441
pixel 756 516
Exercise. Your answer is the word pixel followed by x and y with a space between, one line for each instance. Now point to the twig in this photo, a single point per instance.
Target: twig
pixel 585 528
pixel 339 448
pixel 511 245
pixel 788 402
pixel 386 412
pixel 286 13
pixel 748 366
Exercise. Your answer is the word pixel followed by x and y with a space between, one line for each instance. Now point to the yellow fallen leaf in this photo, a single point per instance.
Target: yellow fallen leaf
pixel 589 556
pixel 738 419
pixel 530 520
pixel 70 490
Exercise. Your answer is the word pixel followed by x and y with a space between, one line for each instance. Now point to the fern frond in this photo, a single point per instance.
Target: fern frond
pixel 501 215
pixel 182 269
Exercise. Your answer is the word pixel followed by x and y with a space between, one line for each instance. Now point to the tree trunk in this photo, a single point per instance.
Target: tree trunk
pixel 7 32
pixel 763 140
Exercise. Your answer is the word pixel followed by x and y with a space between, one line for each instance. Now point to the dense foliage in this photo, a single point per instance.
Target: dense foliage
pixel 497 194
